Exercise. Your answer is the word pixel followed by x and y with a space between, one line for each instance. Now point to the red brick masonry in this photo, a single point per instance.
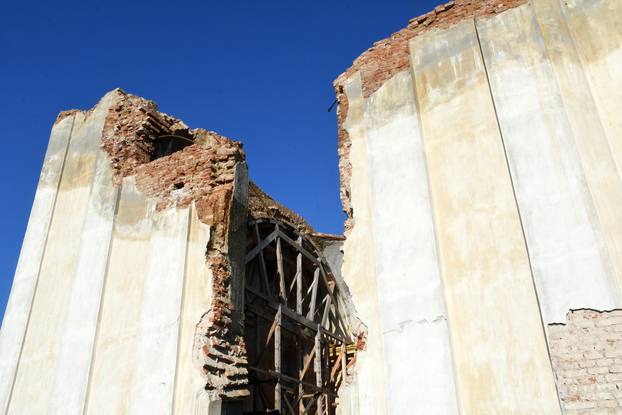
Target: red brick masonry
pixel 586 353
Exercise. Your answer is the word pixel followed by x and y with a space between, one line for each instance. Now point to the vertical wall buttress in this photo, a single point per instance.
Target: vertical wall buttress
pixel 17 313
pixel 359 267
pixel 46 344
pixel 488 284
pixel 413 317
pixel 571 265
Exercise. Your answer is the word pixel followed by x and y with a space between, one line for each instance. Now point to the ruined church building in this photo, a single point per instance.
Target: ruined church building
pixel 480 156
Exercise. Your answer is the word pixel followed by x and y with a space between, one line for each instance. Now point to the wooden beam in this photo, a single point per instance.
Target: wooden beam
pixel 307 363
pixel 336 365
pixel 330 291
pixel 289 405
pixel 264 272
pixel 301 352
pixel 260 245
pixel 308 406
pixel 344 367
pixel 277 360
pixel 316 276
pixel 318 367
pixel 299 279
pixel 299 247
pixel 286 378
pixel 292 316
pixel 279 265
pixel 326 310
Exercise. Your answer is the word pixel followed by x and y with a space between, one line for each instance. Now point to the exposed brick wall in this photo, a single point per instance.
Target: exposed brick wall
pixel 345 167
pixel 586 353
pixel 129 130
pixel 261 205
pixel 390 56
pixel 202 173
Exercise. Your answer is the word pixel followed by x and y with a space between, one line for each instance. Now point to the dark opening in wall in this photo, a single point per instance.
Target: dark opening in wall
pixel 166 145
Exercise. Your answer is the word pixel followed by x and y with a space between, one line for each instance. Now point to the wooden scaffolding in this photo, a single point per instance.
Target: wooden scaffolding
pixel 298 344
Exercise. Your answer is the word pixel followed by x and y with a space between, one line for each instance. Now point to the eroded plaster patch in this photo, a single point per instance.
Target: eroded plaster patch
pixel 586 354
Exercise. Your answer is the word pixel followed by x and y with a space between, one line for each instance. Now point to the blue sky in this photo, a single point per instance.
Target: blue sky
pixel 256 71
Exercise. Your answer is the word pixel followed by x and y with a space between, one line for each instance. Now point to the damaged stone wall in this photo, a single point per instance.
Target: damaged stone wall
pixel 130 129
pixel 587 358
pixel 202 173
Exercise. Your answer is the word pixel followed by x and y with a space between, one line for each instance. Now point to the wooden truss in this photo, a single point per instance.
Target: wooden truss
pixel 300 346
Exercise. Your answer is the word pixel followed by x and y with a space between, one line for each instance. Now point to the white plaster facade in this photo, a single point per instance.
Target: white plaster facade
pixel 487 177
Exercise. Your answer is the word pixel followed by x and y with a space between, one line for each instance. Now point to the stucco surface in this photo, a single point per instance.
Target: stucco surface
pixel 156 358
pixel 368 393
pixel 17 313
pixel 568 253
pixel 410 291
pixel 46 337
pixel 72 370
pixel 498 343
pixel 189 383
pixel 117 337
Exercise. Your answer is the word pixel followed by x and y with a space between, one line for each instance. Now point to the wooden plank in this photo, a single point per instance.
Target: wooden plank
pixel 336 365
pixel 289 405
pixel 285 324
pixel 300 343
pixel 308 406
pixel 299 247
pixel 260 245
pixel 279 265
pixel 329 300
pixel 277 359
pixel 286 378
pixel 330 291
pixel 264 272
pixel 343 362
pixel 307 363
pixel 290 315
pixel 299 280
pixel 318 367
pixel 312 303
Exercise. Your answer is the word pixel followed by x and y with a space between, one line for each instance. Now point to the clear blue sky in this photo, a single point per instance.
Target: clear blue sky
pixel 256 71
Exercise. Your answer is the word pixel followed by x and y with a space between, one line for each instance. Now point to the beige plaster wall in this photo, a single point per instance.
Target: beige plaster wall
pixel 511 125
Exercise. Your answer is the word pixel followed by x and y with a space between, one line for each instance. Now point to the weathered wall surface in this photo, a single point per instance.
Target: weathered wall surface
pixel 413 318
pixel 490 189
pixel 113 298
pixel 369 389
pixel 27 272
pixel 482 254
